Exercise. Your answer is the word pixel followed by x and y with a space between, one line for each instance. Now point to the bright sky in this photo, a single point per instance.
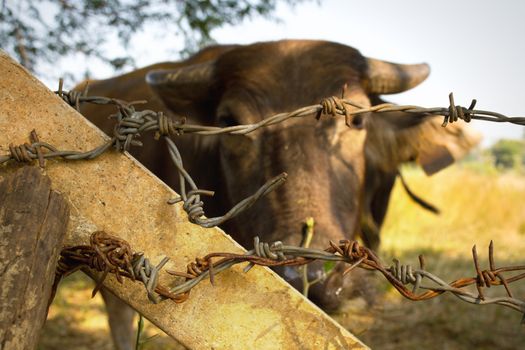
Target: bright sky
pixel 476 49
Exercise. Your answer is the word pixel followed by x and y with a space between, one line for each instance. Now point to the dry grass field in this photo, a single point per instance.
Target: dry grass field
pixel 477 203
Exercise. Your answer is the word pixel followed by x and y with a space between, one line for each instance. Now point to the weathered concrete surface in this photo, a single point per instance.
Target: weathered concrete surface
pixel 116 194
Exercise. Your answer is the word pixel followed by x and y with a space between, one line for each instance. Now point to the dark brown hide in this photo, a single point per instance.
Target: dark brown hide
pixel 268 78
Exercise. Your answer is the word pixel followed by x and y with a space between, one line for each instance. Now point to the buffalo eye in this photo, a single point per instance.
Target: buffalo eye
pixel 227 120
pixel 358 121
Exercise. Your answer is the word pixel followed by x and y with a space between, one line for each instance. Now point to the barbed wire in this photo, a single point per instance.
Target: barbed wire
pixel 131 124
pixel 110 254
pixel 329 106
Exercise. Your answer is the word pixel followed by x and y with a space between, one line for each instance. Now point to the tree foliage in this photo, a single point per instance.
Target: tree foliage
pixel 508 154
pixel 46 30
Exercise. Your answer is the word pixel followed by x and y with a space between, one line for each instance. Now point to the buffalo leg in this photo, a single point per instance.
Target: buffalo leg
pixel 120 317
pixel 370 231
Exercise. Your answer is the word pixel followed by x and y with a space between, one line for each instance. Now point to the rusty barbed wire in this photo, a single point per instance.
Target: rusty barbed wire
pixel 352 253
pixel 110 254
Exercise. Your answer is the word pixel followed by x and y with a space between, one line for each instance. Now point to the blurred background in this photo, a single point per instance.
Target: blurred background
pixel 475 49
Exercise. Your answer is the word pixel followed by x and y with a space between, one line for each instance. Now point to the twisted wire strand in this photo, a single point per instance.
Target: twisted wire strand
pixel 110 254
pixel 131 123
pixel 148 274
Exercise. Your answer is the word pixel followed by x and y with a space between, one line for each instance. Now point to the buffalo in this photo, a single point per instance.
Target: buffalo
pixel 339 174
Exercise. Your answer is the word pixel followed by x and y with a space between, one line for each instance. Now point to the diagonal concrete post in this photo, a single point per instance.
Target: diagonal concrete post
pixel 116 194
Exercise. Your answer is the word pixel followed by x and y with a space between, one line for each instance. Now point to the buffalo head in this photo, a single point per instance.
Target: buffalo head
pixel 328 162
pixel 336 172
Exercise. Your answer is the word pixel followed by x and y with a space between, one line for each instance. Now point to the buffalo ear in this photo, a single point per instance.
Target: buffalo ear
pixel 435 159
pixel 396 137
pixel 446 144
pixel 186 90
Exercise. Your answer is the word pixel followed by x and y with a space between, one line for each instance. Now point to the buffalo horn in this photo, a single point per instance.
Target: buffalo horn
pixel 390 78
pixel 194 74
